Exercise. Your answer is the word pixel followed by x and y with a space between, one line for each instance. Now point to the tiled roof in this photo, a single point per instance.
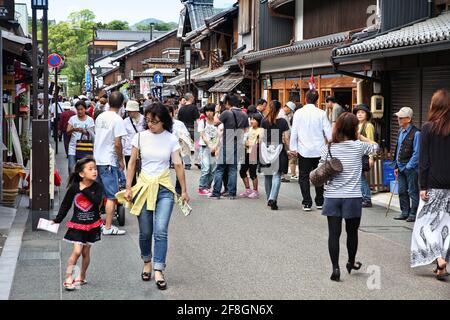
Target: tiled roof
pixel 278 3
pixel 108 72
pixel 166 72
pixel 138 48
pixel 228 83
pixel 296 48
pixel 431 31
pixel 211 22
pixel 199 11
pixel 127 35
pixel 115 85
pixel 117 53
pixel 160 60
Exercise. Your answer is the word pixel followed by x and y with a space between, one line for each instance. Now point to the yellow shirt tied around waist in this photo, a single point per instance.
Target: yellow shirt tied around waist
pixel 146 192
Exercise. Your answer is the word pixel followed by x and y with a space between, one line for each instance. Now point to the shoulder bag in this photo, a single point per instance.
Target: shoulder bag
pixel 84 147
pixel 365 158
pixel 327 170
pixel 139 159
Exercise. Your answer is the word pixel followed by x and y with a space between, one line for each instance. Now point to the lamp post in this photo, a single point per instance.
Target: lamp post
pixel 40 177
pixel 152 24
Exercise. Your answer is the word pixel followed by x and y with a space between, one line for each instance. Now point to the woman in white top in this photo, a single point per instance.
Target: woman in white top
pixel 156 147
pixel 134 124
pixel 343 197
pixel 79 125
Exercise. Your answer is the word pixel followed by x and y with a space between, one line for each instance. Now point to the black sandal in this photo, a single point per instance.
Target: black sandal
pixel 161 284
pixel 354 266
pixel 146 276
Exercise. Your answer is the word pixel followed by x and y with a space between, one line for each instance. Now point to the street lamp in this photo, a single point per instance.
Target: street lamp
pixel 39 4
pixel 152 24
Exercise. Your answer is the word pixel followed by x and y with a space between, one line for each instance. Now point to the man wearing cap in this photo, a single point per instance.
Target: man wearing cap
pixel 407 165
pixel 134 123
pixel 63 122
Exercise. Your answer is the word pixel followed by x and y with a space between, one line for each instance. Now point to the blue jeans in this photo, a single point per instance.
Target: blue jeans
pixel 156 225
pixel 408 191
pixel 72 161
pixel 208 168
pixel 365 189
pixel 232 179
pixel 272 185
pixel 108 177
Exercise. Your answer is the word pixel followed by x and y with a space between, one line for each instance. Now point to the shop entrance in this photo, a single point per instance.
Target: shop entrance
pixel 344 97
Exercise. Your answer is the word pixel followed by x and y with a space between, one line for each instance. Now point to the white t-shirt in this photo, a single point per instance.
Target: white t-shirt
pixel 156 150
pixel 126 141
pixel 53 111
pixel 88 123
pixel 210 131
pixel 108 126
pixel 179 129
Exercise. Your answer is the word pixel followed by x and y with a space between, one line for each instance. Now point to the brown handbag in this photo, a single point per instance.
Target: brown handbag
pixel 324 173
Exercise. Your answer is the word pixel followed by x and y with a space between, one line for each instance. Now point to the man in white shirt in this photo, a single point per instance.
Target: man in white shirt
pixel 109 130
pixel 309 130
pixel 53 114
pixel 40 106
pixel 134 123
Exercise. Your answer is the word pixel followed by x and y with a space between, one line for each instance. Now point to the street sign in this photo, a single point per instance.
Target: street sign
pixel 158 77
pixel 54 60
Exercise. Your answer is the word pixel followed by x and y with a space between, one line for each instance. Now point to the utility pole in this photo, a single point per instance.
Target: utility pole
pixel 40 172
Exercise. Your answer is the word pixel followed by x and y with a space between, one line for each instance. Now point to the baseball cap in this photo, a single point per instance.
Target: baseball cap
pixel 405 112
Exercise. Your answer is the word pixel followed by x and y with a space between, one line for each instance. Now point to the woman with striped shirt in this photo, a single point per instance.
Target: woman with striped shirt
pixel 343 198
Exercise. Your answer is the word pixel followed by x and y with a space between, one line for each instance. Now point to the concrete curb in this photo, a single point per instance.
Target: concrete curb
pixel 11 251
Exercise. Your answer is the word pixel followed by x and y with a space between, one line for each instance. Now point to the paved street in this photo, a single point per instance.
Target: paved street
pixel 234 250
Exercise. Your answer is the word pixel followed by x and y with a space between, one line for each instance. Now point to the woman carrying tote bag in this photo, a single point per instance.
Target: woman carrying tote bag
pixel 274 152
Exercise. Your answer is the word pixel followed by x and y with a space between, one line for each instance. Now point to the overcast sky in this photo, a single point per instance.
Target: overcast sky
pixel 132 11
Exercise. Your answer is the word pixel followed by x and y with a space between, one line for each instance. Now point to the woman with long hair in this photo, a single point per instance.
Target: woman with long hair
pixel 274 152
pixel 431 238
pixel 343 197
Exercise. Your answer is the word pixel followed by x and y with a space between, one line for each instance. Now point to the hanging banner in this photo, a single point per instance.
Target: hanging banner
pixel 145 86
pixel 88 79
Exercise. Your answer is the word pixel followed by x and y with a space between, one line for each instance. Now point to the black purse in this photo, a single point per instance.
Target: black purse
pixel 365 163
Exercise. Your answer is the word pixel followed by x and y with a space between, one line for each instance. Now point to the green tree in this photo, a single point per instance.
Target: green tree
pixel 70 39
pixel 117 25
pixel 163 26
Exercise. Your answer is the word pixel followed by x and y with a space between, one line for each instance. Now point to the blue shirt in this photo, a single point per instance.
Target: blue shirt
pixel 414 161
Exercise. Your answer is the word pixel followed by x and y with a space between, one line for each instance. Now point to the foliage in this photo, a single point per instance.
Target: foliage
pixel 116 25
pixel 162 26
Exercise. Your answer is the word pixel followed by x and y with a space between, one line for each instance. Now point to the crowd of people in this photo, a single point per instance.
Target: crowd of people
pixel 125 151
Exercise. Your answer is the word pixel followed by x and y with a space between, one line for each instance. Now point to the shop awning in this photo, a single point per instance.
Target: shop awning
pixel 167 72
pixel 425 36
pixel 228 83
pixel 17 45
pixel 213 74
pixel 116 85
pixel 179 80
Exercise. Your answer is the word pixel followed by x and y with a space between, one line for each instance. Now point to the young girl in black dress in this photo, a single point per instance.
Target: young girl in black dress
pixel 86 195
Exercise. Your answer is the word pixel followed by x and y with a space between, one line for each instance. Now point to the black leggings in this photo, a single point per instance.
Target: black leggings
pixel 334 230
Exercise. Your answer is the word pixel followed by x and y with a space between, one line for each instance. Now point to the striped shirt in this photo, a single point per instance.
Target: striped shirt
pixel 348 183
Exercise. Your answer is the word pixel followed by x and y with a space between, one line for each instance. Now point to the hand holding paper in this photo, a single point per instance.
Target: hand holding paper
pixel 48 225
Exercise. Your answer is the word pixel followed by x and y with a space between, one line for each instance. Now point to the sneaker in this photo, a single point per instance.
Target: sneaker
pixel 319 207
pixel 411 219
pixel 285 179
pixel 213 197
pixel 307 208
pixel 401 217
pixel 203 192
pixel 113 231
pixel 246 193
pixel 225 194
pixel 254 195
pixel 295 178
pixel 232 198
